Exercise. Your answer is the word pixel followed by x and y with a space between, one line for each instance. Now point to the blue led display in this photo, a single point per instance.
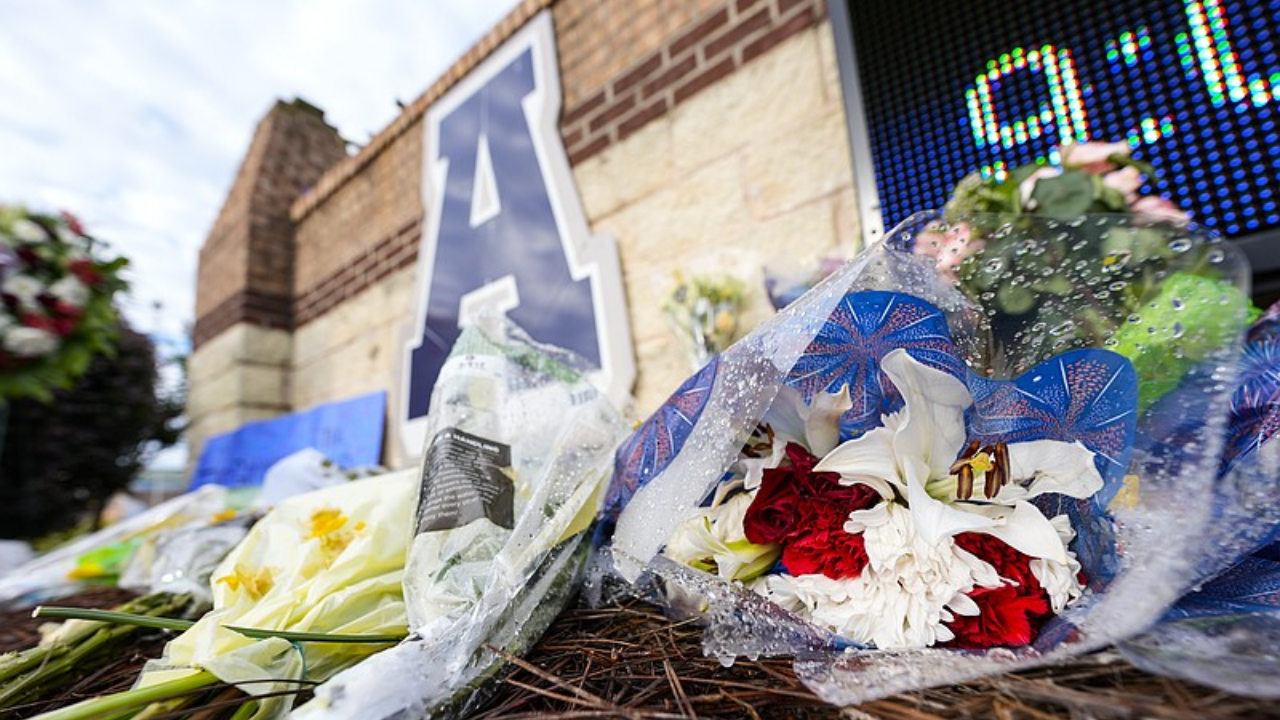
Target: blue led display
pixel 1193 86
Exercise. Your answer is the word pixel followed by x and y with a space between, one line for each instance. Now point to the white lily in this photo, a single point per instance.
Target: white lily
pixel 815 425
pixel 910 460
pixel 714 540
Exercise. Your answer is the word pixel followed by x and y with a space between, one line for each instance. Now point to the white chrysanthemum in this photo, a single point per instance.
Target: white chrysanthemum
pixel 70 290
pixel 30 342
pixel 25 288
pixel 910 587
pixel 781 590
pixel 1060 580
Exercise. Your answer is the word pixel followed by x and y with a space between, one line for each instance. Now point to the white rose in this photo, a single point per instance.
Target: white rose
pixel 70 291
pixel 25 288
pixel 30 342
pixel 28 231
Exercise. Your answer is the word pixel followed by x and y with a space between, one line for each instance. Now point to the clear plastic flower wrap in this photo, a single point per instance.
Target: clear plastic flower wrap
pixel 518 453
pixel 1226 633
pixel 51 574
pixel 941 464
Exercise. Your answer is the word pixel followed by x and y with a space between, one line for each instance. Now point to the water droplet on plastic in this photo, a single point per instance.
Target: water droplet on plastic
pixel 1135 318
pixel 1180 245
pixel 1178 330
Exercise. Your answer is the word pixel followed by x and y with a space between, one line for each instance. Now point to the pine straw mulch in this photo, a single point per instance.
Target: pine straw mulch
pixel 630 661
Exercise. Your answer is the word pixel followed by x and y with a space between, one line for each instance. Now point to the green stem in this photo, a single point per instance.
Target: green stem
pixel 121 618
pixel 258 634
pixel 245 711
pixel 110 616
pixel 131 699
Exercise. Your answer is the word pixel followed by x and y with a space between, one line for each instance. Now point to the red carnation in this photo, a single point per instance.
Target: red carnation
pixel 84 270
pixel 832 552
pixel 1007 615
pixel 775 513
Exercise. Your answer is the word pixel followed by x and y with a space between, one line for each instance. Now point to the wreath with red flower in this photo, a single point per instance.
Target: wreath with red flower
pixel 56 302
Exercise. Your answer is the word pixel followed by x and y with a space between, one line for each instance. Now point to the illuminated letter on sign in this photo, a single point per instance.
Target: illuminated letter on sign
pixel 506 229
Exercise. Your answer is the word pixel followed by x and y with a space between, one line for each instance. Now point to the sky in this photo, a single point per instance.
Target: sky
pixel 134 115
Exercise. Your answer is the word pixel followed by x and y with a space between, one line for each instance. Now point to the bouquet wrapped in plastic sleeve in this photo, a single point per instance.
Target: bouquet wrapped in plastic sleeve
pixel 519 447
pixel 904 484
pixel 1226 632
pixel 61 571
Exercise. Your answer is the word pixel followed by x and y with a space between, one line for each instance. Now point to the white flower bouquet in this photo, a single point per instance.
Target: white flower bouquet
pixel 518 452
pixel 886 483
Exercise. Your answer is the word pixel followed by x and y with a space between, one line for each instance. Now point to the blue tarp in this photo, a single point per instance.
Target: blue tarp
pixel 348 432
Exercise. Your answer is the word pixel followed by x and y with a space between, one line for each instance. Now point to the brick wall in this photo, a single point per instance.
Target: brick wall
pixel 247 262
pixel 673 55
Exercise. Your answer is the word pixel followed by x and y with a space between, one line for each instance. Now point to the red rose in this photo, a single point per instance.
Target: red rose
pixel 1007 615
pixel 831 552
pixel 84 270
pixel 774 514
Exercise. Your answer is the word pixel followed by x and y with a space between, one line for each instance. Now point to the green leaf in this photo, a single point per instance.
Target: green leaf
pixel 1067 195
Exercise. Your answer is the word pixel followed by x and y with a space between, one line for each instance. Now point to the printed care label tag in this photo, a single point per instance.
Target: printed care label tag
pixel 464 478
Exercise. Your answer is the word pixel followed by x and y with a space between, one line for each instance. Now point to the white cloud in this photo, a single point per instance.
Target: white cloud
pixel 135 114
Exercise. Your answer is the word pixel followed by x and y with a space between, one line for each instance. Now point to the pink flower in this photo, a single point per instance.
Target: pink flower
pixel 948 247
pixel 1158 207
pixel 1029 185
pixel 1127 180
pixel 1092 156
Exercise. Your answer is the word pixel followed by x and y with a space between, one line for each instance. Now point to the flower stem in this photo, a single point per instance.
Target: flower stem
pixel 122 618
pixel 110 616
pixel 110 705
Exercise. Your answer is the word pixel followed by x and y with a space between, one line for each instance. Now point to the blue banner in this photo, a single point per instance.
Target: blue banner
pixel 348 432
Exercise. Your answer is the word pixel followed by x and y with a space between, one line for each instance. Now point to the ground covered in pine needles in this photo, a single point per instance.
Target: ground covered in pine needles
pixel 629 661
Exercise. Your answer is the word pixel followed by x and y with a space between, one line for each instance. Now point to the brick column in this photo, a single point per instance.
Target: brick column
pixel 239 369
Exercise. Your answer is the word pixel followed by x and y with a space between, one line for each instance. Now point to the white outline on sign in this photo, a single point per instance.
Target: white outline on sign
pixel 587 256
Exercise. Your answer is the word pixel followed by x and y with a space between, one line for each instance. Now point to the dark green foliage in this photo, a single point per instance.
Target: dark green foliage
pixel 62 460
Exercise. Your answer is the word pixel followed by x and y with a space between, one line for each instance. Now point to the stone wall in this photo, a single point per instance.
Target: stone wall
pixel 704 136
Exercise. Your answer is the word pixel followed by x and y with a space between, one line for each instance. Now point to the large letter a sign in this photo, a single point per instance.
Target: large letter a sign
pixel 506 230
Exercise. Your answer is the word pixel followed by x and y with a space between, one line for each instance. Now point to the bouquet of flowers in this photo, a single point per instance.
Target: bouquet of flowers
pixel 704 311
pixel 1073 256
pixel 906 485
pixel 56 311
pixel 518 449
